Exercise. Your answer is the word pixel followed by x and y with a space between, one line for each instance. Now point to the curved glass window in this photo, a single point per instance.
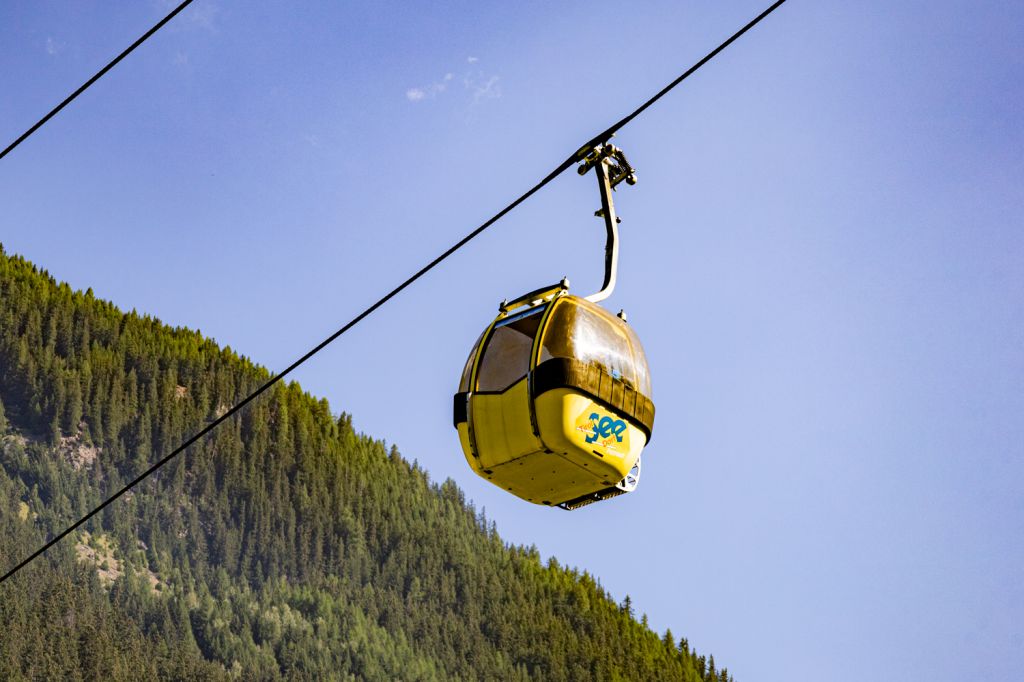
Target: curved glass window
pixel 468 369
pixel 587 332
pixel 506 358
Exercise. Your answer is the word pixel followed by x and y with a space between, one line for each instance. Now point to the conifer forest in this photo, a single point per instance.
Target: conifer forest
pixel 283 546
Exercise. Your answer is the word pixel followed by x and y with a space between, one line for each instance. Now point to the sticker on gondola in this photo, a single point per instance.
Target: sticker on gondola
pixel 604 430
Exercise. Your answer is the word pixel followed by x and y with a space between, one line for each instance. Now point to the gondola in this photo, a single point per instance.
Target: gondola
pixel 554 403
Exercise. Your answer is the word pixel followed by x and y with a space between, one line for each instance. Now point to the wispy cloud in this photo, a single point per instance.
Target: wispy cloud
pixel 204 15
pixel 53 47
pixel 479 84
pixel 433 90
pixel 201 15
pixel 484 89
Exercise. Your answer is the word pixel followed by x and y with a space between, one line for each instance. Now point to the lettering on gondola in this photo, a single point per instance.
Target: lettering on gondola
pixel 604 430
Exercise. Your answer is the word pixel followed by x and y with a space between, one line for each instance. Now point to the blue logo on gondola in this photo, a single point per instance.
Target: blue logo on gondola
pixel 605 428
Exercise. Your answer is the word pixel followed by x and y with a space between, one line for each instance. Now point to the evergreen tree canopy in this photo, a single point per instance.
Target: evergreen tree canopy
pixel 284 545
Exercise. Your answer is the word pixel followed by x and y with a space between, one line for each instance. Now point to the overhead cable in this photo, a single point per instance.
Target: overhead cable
pixel 99 74
pixel 562 167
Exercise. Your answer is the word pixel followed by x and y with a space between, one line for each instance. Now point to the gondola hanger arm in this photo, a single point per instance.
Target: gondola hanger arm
pixel 611 167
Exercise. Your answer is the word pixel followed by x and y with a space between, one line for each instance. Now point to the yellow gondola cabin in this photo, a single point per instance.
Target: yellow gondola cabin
pixel 554 403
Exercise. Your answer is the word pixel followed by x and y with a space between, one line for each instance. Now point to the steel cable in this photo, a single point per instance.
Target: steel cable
pixel 99 74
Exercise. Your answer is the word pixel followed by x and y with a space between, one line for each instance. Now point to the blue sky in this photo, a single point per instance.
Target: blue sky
pixel 823 257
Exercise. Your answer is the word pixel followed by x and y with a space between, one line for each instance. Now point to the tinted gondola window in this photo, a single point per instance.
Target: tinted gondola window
pixel 506 358
pixel 588 333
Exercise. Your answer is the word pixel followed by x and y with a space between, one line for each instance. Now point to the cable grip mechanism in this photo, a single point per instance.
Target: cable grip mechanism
pixel 612 168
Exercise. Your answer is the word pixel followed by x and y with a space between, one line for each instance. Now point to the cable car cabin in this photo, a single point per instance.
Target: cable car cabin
pixel 554 403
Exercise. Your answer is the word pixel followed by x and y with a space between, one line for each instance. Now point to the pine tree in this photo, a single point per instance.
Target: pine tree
pixel 73 406
pixel 54 431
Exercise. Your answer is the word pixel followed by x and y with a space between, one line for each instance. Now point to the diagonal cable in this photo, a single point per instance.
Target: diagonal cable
pixel 561 168
pixel 621 123
pixel 99 74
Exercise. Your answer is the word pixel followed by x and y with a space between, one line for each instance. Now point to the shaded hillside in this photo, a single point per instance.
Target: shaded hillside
pixel 283 546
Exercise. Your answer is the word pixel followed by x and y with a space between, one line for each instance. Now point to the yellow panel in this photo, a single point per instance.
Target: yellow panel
pixel 501 425
pixel 513 459
pixel 588 433
pixel 536 476
pixel 544 478
pixel 463 429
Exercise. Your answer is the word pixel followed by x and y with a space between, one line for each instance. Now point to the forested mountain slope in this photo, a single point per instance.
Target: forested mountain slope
pixel 285 545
